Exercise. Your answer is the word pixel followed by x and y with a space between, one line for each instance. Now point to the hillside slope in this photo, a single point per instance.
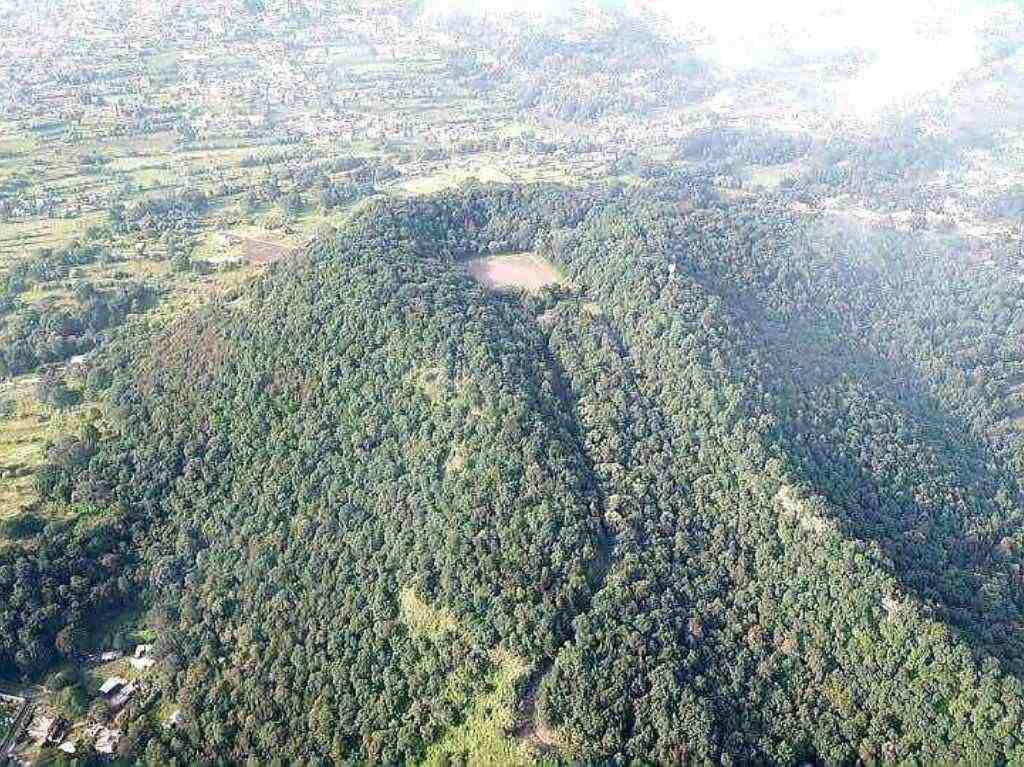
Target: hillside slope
pixel 730 492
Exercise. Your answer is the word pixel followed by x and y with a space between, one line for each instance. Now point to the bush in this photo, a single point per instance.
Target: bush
pixel 72 701
pixel 63 678
pixel 181 262
pixel 274 220
pixel 53 391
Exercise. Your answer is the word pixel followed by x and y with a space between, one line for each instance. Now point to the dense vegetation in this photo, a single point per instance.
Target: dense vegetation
pixel 742 485
pixel 743 490
pixel 38 335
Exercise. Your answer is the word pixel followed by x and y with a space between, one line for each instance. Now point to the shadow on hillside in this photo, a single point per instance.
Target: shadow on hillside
pixel 926 496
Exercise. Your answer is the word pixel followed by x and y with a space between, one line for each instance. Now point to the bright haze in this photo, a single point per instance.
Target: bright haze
pixel 910 48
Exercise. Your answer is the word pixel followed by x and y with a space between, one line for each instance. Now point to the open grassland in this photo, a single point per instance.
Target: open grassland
pixel 449 179
pixel 20 238
pixel 484 738
pixel 25 427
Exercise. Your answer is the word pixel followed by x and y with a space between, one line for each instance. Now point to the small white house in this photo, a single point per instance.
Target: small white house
pixel 142 664
pixel 122 697
pixel 112 685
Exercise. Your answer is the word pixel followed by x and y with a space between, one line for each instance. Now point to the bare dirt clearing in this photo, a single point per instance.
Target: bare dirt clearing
pixel 259 251
pixel 523 270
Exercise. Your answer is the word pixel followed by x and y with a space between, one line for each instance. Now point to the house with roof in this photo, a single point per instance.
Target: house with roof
pixel 122 697
pixel 111 685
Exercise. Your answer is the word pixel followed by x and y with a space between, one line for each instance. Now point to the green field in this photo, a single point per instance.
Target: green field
pixel 483 737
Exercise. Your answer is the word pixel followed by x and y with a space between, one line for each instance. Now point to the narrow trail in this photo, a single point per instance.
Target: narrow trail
pixel 576 398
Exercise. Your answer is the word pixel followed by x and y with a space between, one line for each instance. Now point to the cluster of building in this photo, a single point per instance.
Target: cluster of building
pixel 56 731
pixel 52 730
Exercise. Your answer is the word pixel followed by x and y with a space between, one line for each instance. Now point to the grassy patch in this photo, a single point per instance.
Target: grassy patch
pixel 421 618
pixel 433 382
pixel 15 141
pixel 19 238
pixel 24 434
pixel 450 179
pixel 483 738
pixel 771 176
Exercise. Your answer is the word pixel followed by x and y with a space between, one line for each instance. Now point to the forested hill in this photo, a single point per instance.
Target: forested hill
pixel 738 488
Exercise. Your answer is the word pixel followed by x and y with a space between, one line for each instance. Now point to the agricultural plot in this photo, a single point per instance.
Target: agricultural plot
pixel 24 429
pixel 260 251
pixel 27 427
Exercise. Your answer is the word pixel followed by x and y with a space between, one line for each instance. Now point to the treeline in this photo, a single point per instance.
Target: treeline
pixel 625 68
pixel 725 143
pixel 181 210
pixel 56 589
pixel 45 266
pixel 39 335
pixel 334 182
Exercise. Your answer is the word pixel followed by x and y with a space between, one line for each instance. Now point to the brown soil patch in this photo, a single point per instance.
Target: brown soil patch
pixel 259 251
pixel 456 461
pixel 192 347
pixel 537 736
pixel 523 270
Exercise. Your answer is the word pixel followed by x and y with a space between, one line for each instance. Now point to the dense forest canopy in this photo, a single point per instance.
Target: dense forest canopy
pixel 734 491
